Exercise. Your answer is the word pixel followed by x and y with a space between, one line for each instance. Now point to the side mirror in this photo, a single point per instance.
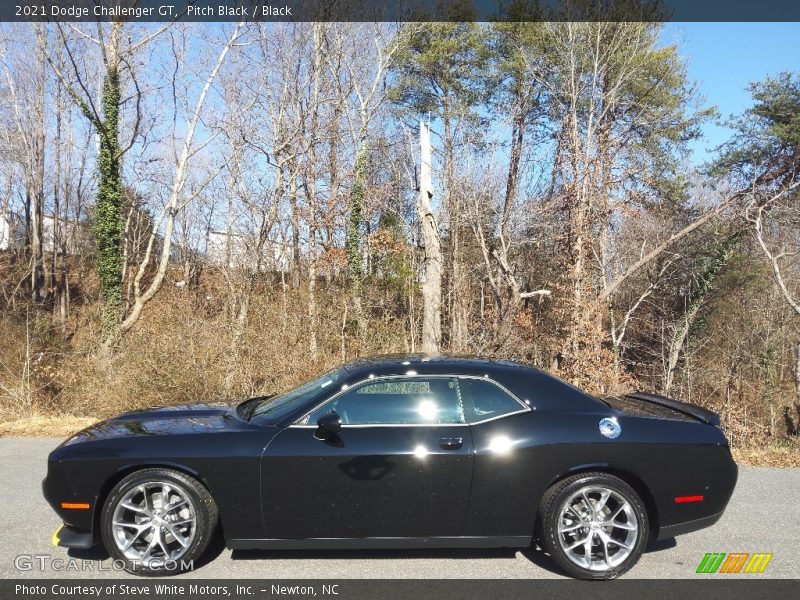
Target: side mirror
pixel 328 425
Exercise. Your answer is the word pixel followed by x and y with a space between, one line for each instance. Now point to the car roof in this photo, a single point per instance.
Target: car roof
pixel 544 389
pixel 400 364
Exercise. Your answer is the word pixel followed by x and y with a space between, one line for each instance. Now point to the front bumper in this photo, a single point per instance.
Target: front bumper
pixel 57 489
pixel 67 536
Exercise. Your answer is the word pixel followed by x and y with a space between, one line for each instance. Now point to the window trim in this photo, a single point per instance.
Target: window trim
pixel 524 406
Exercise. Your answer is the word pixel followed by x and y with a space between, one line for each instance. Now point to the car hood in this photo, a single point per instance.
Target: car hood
pixel 163 420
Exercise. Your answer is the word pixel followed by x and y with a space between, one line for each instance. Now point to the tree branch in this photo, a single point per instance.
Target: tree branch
pixel 655 252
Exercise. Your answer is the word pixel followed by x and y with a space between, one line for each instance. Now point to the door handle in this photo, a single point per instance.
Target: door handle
pixel 451 443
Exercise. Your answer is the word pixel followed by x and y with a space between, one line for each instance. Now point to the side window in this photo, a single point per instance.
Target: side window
pixel 417 401
pixel 485 400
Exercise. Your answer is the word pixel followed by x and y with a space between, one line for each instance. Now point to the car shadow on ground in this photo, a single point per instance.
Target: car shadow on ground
pixel 660 545
pixel 541 559
pixel 533 553
pixel 98 553
pixel 368 554
pixel 94 553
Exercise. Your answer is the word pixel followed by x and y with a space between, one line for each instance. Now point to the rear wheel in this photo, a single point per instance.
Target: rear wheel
pixel 158 521
pixel 593 525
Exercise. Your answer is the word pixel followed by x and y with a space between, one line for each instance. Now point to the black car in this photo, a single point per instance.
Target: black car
pixel 398 452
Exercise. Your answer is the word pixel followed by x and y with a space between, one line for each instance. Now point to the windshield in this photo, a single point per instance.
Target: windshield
pixel 281 405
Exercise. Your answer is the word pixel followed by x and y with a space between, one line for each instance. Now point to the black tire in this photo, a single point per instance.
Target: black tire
pixel 555 500
pixel 205 520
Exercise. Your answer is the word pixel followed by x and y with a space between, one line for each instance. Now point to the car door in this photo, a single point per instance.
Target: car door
pixel 401 465
pixel 503 494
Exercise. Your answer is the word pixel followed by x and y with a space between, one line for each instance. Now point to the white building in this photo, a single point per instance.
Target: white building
pixel 68 231
pixel 12 233
pixel 276 256
pixel 5 233
pixel 12 230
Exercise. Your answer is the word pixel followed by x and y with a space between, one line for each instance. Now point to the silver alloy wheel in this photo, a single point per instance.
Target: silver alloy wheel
pixel 154 522
pixel 597 528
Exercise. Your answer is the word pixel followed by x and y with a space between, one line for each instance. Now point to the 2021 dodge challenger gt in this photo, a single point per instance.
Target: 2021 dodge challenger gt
pixel 398 452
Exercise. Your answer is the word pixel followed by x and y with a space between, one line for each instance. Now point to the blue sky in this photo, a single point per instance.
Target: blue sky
pixel 724 57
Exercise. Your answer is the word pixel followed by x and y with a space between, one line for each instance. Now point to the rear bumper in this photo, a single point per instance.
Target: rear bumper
pixel 67 536
pixel 707 472
pixel 671 531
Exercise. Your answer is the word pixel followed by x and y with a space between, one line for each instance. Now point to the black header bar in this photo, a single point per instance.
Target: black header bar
pixel 721 588
pixel 398 10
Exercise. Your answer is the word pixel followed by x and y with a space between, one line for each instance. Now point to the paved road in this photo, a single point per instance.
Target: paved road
pixel 763 516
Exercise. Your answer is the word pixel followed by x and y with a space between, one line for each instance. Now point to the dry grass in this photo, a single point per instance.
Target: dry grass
pixel 785 453
pixel 186 348
pixel 45 426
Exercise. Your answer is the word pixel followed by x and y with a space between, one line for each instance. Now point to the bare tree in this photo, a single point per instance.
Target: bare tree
pixel 756 212
pixel 432 286
pixel 27 93
pixel 141 294
pixel 365 73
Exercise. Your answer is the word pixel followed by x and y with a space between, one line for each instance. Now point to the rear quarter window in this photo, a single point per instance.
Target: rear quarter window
pixel 486 400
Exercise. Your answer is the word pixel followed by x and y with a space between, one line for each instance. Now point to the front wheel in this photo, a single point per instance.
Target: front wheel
pixel 593 525
pixel 158 521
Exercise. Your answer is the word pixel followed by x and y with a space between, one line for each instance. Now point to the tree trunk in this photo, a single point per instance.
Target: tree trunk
pixel 56 230
pixel 432 286
pixel 311 192
pixel 459 294
pixel 64 241
pixel 797 371
pixel 108 217
pixel 704 286
pixel 295 219
pixel 36 190
pixel 505 287
pixel 354 256
pixel 512 180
